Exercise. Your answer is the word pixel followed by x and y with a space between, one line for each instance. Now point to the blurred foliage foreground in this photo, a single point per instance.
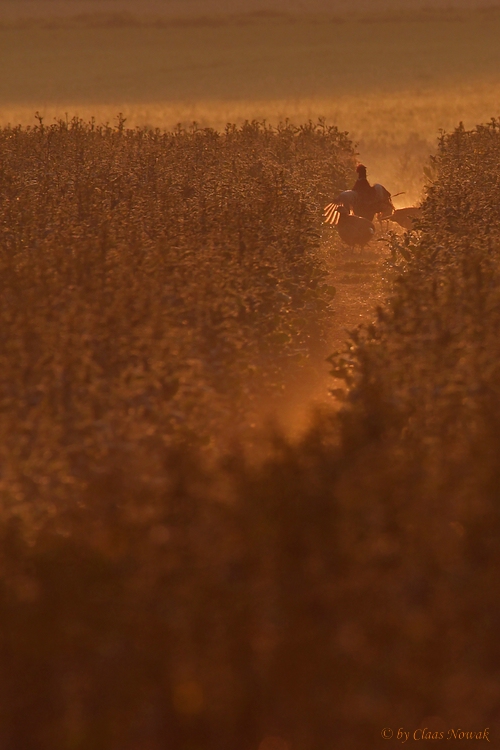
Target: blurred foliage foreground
pixel 348 583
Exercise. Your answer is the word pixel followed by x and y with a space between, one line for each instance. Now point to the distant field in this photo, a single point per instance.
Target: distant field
pixel 391 82
pixel 253 59
pixel 196 8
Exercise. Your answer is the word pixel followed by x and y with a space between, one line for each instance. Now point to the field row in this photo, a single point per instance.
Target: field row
pixel 345 584
pixel 153 284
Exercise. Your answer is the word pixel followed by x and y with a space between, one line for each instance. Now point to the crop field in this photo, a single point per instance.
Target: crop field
pixel 391 79
pixel 155 284
pixel 346 583
pixel 175 570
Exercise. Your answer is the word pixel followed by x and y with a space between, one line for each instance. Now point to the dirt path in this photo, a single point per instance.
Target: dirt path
pixel 360 280
pixel 361 284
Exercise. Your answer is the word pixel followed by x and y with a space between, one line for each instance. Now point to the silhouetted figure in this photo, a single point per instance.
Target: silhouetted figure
pixel 364 199
pixel 367 195
pixel 406 217
pixel 353 230
pixel 362 186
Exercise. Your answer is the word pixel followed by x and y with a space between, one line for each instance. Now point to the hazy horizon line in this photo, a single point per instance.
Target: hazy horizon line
pixel 123 18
